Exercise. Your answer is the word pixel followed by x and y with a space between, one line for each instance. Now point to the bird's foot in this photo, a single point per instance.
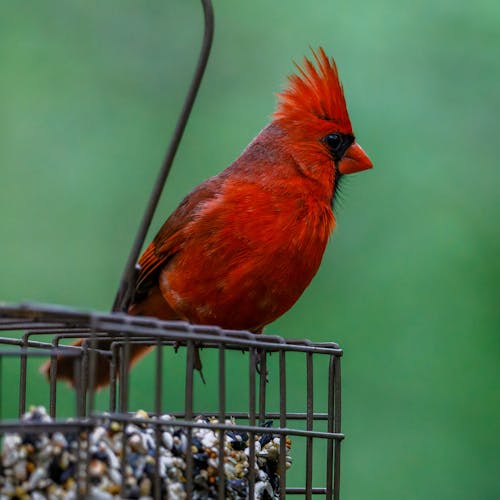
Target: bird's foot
pixel 259 361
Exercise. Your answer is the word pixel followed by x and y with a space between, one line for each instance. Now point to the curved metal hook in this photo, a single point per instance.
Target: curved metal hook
pixel 125 291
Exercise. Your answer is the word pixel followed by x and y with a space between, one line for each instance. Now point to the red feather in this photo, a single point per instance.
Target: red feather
pixel 314 94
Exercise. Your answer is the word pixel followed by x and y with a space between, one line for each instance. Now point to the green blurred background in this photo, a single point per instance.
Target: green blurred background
pixel 89 94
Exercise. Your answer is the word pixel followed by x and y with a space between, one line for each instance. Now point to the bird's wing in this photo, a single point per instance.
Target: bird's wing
pixel 172 235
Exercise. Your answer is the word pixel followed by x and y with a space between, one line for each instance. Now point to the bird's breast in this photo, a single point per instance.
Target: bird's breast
pixel 247 258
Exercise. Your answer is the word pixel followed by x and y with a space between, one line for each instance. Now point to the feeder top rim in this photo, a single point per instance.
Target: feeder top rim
pixel 28 314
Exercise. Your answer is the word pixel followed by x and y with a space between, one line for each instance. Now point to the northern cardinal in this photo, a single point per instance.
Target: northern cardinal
pixel 242 246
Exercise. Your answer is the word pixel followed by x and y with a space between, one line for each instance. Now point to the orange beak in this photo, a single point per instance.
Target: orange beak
pixel 354 160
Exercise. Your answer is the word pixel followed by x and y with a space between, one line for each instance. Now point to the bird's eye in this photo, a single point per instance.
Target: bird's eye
pixel 334 141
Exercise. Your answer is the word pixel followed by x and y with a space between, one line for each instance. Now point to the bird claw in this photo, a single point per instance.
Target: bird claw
pixel 257 360
pixel 197 365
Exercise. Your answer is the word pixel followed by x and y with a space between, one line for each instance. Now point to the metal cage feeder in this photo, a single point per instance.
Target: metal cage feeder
pixel 251 413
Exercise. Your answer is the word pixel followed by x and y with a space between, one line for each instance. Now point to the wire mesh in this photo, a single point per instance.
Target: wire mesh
pixel 267 364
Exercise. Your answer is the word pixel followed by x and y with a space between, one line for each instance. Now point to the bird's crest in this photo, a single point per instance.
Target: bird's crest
pixel 314 92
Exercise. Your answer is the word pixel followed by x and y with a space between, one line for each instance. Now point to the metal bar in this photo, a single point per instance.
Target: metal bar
pixel 251 420
pixel 53 379
pixel 113 368
pixel 54 426
pixel 35 312
pixel 267 415
pixel 28 353
pixel 309 424
pixel 125 290
pixel 283 438
pixel 204 340
pixel 22 377
pixel 188 406
pixel 302 491
pixel 35 344
pixel 123 405
pixel 159 379
pixel 84 374
pixel 8 322
pixel 262 385
pixel 85 423
pixel 92 369
pixel 24 325
pixel 121 389
pixel 158 409
pixel 148 326
pixel 222 413
pixel 336 428
pixel 189 424
pixel 124 378
pixel 1 385
pixel 329 445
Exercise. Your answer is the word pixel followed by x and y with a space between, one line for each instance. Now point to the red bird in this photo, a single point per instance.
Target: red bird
pixel 242 247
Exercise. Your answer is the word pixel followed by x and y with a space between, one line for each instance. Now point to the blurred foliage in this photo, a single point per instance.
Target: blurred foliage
pixel 89 94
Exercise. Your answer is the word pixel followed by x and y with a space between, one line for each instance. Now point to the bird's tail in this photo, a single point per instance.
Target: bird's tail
pixel 153 305
pixel 102 373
